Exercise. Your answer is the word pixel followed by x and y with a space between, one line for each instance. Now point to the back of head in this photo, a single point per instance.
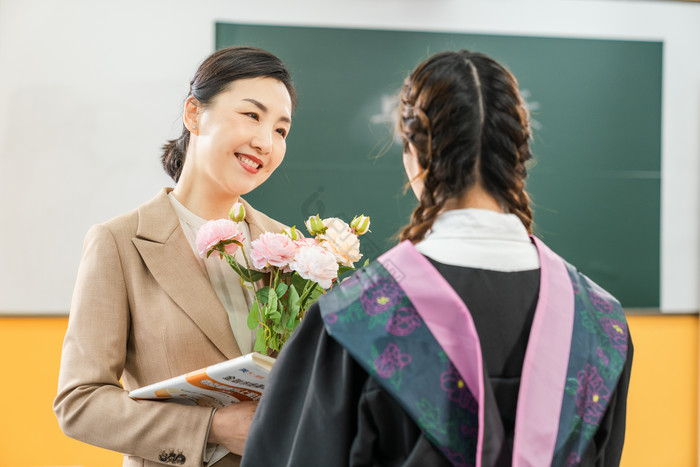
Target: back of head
pixel 214 76
pixel 464 115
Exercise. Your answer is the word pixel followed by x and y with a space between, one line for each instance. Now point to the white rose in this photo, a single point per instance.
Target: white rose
pixel 316 264
pixel 340 241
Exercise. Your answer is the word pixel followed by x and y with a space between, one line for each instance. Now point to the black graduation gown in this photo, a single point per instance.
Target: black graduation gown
pixel 320 408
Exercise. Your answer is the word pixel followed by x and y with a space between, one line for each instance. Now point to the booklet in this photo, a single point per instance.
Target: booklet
pixel 218 385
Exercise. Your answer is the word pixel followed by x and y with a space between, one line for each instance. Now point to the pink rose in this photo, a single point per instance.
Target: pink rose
pixel 214 232
pixel 271 249
pixel 316 264
pixel 306 242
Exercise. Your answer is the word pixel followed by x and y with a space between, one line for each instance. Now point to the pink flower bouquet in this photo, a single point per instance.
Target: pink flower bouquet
pixel 296 270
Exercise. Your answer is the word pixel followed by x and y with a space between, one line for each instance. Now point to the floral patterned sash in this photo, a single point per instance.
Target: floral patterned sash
pixel 597 358
pixel 403 323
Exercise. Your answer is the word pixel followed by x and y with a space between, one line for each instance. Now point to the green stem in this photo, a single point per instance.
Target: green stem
pixel 249 278
pixel 275 279
pixel 305 294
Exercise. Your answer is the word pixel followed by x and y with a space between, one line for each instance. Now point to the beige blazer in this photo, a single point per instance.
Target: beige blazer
pixel 143 310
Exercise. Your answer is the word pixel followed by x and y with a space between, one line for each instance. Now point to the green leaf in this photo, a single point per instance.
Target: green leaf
pixel 293 306
pixel 272 300
pixel 260 344
pixel 233 263
pixel 281 289
pixel 293 323
pixel 253 319
pixel 265 312
pixel 364 265
pixel 298 282
pixel 275 316
pixel 250 275
pixel 316 292
pixel 293 299
pixel 343 269
pixel 254 275
pixel 245 273
pixel 262 294
pixel 281 305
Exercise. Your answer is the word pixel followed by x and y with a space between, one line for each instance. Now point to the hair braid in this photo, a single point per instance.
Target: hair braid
pixel 505 140
pixel 436 116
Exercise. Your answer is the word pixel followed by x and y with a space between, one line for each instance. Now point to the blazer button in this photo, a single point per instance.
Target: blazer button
pixel 163 457
pixel 179 459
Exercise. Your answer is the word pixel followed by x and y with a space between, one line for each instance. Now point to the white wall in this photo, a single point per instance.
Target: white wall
pixel 89 91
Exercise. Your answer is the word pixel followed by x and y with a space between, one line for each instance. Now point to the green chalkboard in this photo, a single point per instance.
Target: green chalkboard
pixel 596 114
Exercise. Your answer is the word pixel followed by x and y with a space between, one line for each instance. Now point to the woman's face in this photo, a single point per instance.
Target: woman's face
pixel 240 138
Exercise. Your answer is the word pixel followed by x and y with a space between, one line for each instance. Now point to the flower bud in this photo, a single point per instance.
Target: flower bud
pixel 360 224
pixel 314 225
pixel 293 233
pixel 237 212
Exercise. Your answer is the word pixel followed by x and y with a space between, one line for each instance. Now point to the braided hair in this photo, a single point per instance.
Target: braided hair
pixel 464 116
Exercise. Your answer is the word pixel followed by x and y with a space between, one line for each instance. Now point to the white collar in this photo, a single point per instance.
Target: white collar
pixel 185 214
pixel 481 239
pixel 191 223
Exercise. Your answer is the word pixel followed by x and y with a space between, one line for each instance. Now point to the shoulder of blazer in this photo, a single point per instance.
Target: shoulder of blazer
pixel 154 220
pixel 157 219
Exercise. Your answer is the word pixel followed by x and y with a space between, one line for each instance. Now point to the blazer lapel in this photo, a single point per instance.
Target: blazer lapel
pixel 169 256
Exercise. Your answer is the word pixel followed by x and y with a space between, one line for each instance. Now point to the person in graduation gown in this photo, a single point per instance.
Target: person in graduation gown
pixel 146 307
pixel 470 343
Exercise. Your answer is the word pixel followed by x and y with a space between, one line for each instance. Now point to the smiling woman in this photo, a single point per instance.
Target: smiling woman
pixel 236 142
pixel 145 307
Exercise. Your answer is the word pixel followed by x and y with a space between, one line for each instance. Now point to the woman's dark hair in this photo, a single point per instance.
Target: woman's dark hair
pixel 214 76
pixel 463 113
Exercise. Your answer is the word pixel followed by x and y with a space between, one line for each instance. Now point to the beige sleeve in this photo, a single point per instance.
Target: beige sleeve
pixel 91 404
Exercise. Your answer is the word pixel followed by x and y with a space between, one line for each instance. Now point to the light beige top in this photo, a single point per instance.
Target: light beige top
pixel 235 297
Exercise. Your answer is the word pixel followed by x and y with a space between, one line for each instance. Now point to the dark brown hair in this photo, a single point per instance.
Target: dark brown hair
pixel 463 113
pixel 214 76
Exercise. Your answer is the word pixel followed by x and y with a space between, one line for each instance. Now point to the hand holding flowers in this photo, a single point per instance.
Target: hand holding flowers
pixel 296 270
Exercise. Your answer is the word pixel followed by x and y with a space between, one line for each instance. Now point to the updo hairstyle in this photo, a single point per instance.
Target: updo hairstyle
pixel 214 76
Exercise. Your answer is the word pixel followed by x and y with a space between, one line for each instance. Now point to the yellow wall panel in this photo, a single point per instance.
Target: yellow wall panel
pixel 29 432
pixel 662 406
pixel 662 420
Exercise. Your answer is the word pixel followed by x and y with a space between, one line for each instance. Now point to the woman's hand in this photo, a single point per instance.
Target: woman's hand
pixel 230 425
